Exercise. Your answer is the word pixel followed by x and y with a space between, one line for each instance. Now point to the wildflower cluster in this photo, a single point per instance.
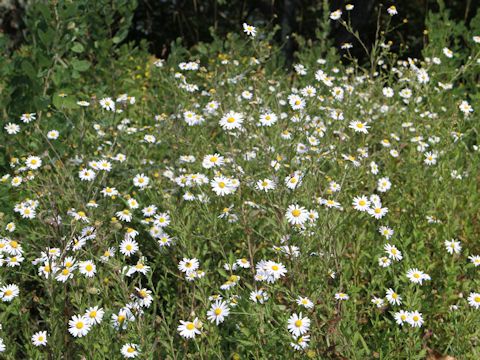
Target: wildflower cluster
pixel 245 213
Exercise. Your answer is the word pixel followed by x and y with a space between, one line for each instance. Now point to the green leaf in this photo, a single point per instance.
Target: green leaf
pixel 41 102
pixel 44 10
pixel 28 69
pixel 78 48
pixel 46 37
pixel 120 36
pixel 80 65
pixel 43 61
pixel 64 102
pixel 69 10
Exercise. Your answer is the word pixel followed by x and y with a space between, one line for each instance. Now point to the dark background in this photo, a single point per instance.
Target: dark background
pixel 162 21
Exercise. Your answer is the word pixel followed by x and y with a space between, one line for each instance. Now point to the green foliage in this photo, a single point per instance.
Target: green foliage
pixel 64 40
pixel 444 32
pixel 69 46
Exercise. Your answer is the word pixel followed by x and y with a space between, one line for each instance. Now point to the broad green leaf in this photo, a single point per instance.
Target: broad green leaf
pixel 28 69
pixel 78 48
pixel 80 65
pixel 63 101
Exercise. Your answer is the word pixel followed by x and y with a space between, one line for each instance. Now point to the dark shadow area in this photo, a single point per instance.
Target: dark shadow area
pixel 162 21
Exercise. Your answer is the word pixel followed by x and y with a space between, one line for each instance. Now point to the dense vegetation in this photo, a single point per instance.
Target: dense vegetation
pixel 215 204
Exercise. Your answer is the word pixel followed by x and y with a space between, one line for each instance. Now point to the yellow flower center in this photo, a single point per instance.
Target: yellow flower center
pixel 79 325
pixel 296 213
pixel 231 120
pixel 218 311
pixel 298 323
pixel 190 326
